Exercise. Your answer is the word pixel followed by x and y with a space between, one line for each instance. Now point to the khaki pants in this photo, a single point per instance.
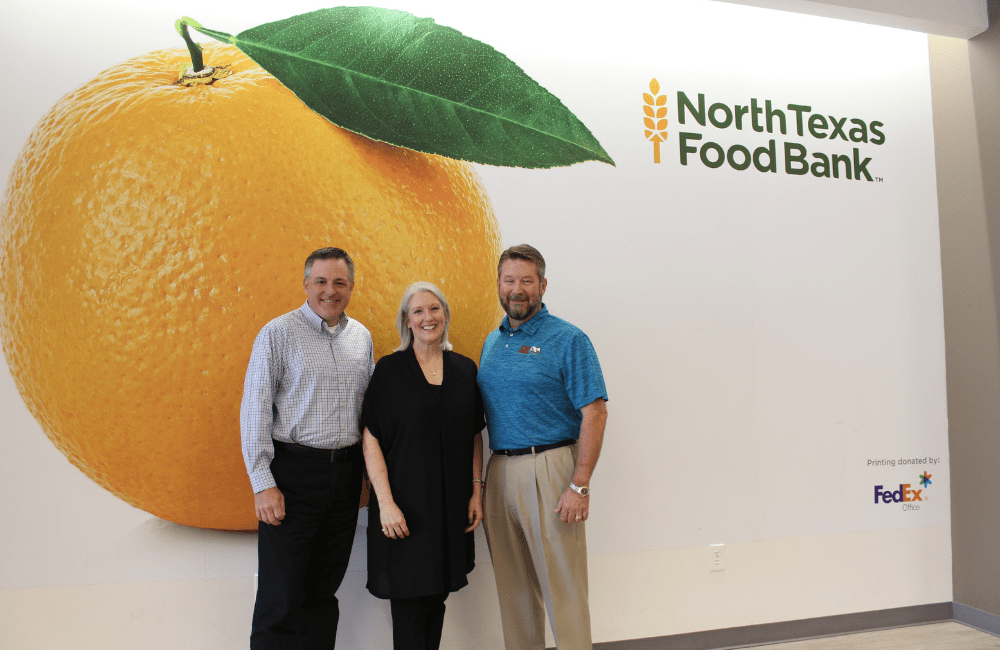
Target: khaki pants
pixel 540 562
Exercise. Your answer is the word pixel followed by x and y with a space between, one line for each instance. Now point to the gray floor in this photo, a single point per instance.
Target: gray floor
pixel 933 636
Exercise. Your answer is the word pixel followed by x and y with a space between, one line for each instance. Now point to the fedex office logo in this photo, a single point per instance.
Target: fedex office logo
pixel 904 495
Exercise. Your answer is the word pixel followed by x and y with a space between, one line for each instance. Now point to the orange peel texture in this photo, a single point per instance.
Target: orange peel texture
pixel 149 230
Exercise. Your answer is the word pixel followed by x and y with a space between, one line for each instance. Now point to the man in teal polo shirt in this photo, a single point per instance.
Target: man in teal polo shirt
pixel 545 406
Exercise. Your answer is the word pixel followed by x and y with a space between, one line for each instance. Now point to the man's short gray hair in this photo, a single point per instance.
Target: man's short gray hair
pixel 403 316
pixel 330 253
pixel 523 252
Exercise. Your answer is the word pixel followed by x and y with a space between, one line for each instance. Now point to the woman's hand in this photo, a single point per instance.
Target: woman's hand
pixel 475 508
pixel 393 521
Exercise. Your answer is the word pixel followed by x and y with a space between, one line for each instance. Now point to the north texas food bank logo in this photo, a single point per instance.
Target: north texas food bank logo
pixel 905 494
pixel 847 141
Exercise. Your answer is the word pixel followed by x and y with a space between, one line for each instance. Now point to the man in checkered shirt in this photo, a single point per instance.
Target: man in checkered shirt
pixel 299 424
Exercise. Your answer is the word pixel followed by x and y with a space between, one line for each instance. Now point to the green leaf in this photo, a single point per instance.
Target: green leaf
pixel 410 82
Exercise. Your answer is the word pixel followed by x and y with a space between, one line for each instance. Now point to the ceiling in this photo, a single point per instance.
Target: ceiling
pixel 955 18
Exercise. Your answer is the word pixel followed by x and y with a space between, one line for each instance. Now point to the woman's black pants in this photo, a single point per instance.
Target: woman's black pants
pixel 417 622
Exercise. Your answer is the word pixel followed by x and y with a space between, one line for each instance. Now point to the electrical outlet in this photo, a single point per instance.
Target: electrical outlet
pixel 717 557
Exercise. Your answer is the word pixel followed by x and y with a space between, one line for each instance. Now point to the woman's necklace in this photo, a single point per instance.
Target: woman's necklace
pixel 433 364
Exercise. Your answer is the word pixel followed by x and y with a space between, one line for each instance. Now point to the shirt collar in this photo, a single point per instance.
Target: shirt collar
pixel 528 327
pixel 318 322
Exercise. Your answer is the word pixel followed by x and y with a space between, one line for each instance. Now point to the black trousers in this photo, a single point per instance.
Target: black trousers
pixel 303 561
pixel 417 622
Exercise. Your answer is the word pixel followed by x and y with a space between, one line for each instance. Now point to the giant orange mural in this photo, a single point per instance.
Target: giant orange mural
pixel 155 221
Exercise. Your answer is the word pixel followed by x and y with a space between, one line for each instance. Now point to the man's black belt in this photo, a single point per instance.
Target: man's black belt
pixel 332 455
pixel 537 449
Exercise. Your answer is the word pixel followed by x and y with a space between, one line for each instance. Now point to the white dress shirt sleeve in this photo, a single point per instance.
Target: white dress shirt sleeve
pixel 260 388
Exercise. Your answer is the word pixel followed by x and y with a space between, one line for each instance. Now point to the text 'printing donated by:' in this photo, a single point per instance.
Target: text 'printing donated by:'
pixel 890 462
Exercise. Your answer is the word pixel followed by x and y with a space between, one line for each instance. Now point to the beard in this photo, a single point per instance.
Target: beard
pixel 516 312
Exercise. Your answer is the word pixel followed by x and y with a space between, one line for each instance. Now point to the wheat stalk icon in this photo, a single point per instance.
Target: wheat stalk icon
pixel 655 109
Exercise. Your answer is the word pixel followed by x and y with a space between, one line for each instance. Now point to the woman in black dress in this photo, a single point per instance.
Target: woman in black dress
pixel 423 422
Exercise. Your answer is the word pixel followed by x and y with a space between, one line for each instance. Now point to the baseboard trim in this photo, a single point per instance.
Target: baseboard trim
pixel 750 635
pixel 977 618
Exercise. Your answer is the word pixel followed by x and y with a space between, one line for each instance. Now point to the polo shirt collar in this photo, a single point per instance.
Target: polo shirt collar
pixel 530 326
pixel 318 322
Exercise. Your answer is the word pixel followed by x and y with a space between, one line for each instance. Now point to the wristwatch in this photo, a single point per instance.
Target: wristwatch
pixel 582 491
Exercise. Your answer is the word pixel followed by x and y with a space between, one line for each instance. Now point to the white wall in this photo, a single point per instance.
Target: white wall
pixel 764 336
pixel 633 595
pixel 965 80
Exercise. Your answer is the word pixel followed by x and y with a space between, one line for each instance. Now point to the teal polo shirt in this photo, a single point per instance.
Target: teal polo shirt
pixel 535 379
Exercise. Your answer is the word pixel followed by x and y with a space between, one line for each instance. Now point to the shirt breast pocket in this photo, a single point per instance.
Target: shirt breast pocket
pixel 354 368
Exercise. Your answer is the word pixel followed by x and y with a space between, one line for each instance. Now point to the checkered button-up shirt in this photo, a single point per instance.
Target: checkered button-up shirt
pixel 304 385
